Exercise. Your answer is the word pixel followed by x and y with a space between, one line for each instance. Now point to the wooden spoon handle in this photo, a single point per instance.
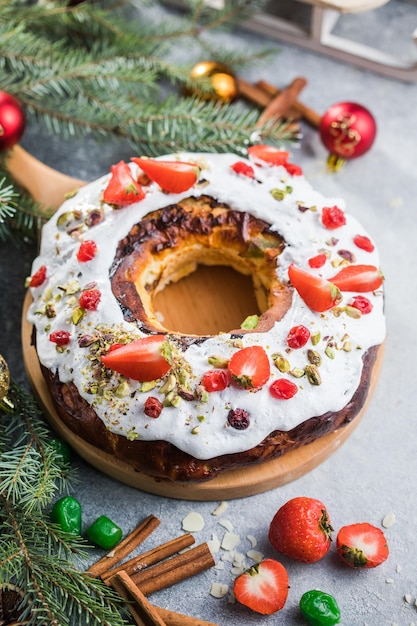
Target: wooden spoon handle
pixel 46 185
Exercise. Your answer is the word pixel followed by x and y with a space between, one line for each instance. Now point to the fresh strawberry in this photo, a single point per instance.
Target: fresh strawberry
pixel 318 293
pixel 250 367
pixel 269 154
pixel 263 587
pixel 301 530
pixel 122 188
pixel 171 176
pixel 358 278
pixel 143 359
pixel 362 545
pixel 240 167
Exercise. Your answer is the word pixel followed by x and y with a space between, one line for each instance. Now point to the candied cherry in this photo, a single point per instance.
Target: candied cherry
pixel 87 251
pixel 153 407
pixel 362 303
pixel 283 389
pixel 364 243
pixel 240 167
pixel 298 336
pixel 215 380
pixel 90 299
pixel 60 337
pixel 317 261
pixel 38 278
pixel 332 217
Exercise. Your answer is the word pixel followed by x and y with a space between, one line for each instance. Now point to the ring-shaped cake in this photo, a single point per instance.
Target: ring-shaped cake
pixel 184 407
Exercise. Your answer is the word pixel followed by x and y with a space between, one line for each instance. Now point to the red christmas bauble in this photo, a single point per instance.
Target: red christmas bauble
pixel 12 120
pixel 347 130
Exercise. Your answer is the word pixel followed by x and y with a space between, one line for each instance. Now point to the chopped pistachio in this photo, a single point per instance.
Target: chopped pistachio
pixel 250 322
pixel 218 361
pixel 169 384
pixel 315 338
pixel 313 374
pixel 352 311
pixel 314 357
pixel 329 351
pixel 281 362
pixel 148 385
pixel 77 315
pixel 297 372
pixel 123 389
pixel 195 430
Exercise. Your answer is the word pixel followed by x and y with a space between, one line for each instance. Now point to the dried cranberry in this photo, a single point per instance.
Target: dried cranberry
pixel 87 251
pixel 362 304
pixel 298 336
pixel 332 217
pixel 240 167
pixel 293 169
pixel 238 418
pixel 364 243
pixel 38 277
pixel 215 380
pixel 283 389
pixel 153 407
pixel 90 299
pixel 60 337
pixel 317 261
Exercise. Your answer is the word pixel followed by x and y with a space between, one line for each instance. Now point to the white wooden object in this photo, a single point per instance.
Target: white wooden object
pixel 318 35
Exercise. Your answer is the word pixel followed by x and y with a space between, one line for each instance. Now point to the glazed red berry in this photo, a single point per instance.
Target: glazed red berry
pixel 60 337
pixel 239 419
pixel 362 304
pixel 240 167
pixel 293 169
pixel 87 251
pixel 298 336
pixel 364 243
pixel 317 261
pixel 90 299
pixel 215 380
pixel 153 407
pixel 38 278
pixel 283 389
pixel 332 217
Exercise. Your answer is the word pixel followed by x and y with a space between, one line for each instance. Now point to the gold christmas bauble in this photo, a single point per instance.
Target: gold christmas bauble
pixel 221 79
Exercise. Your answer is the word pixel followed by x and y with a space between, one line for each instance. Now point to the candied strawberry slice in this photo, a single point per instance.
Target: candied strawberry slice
pixel 143 359
pixel 362 545
pixel 269 154
pixel 250 367
pixel 122 188
pixel 358 278
pixel 318 293
pixel 171 176
pixel 263 587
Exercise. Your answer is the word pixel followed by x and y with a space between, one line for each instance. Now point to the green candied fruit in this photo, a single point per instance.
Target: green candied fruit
pixel 319 608
pixel 104 533
pixel 66 512
pixel 62 450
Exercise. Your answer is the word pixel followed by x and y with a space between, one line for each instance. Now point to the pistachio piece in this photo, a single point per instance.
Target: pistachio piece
pixel 314 357
pixel 281 362
pixel 313 374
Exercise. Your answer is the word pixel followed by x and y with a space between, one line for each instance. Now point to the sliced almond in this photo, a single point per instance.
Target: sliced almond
pixel 219 590
pixel 193 522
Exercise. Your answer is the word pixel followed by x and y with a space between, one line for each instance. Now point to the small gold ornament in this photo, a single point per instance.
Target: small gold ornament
pixel 221 79
pixel 5 404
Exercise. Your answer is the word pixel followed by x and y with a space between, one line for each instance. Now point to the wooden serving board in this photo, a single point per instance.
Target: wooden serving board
pixel 232 484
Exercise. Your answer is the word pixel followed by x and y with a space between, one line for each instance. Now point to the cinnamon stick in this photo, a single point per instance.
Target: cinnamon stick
pixel 310 116
pixel 125 547
pixel 174 570
pixel 280 105
pixel 151 557
pixel 123 584
pixel 253 93
pixel 142 611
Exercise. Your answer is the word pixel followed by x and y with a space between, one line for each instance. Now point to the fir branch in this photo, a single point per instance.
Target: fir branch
pixel 36 556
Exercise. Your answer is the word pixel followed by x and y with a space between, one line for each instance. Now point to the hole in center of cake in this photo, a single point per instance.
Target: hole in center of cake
pixel 210 300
